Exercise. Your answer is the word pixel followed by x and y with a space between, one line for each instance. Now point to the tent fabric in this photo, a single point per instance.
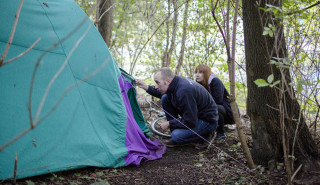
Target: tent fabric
pixel 139 147
pixel 132 94
pixel 86 121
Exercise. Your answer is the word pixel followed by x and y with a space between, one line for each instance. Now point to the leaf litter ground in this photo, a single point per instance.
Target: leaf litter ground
pixel 223 163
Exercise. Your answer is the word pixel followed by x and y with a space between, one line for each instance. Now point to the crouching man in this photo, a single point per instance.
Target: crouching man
pixel 188 99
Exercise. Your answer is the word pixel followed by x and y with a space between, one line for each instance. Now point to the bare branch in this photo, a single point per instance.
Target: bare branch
pixel 58 73
pixel 295 173
pixel 213 7
pixel 38 63
pixel 15 139
pixel 21 54
pixel 135 60
pixel 55 106
pixel 299 11
pixel 15 169
pixel 70 88
pixel 12 33
pixel 96 22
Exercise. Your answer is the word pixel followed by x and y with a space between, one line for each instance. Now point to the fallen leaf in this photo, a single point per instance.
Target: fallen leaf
pixel 93 175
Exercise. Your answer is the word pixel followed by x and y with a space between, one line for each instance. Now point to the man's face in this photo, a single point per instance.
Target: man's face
pixel 161 85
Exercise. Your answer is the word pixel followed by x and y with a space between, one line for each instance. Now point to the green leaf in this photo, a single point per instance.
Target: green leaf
pixel 265 33
pixel 276 83
pixel 268 9
pixel 278 58
pixel 261 83
pixel 287 67
pixel 303 82
pixel 291 156
pixel 29 182
pixel 198 165
pixel 273 62
pixel 299 88
pixel 77 174
pixel 99 174
pixel 270 33
pixel 275 11
pixel 270 78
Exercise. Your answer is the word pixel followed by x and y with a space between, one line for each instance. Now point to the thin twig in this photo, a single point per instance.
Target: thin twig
pixel 55 106
pixel 219 26
pixel 70 88
pixel 32 83
pixel 15 169
pixel 38 63
pixel 299 11
pixel 58 73
pixel 104 13
pixel 22 54
pixel 295 173
pixel 135 60
pixel 15 139
pixel 12 33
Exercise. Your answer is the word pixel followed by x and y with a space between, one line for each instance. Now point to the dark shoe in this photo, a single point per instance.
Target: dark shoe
pixel 169 143
pixel 220 136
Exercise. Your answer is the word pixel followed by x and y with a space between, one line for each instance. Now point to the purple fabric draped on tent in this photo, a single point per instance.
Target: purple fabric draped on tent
pixel 139 147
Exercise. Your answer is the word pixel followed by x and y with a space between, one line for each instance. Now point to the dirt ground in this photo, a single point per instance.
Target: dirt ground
pixel 222 163
pixel 180 165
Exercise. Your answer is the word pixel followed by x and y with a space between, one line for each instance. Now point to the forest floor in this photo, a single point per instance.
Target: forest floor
pixel 222 163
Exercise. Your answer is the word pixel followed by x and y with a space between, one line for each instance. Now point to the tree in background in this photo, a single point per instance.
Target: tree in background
pixel 104 19
pixel 184 35
pixel 166 58
pixel 279 130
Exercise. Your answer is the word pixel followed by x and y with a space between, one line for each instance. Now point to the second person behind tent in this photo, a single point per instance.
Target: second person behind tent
pixel 214 85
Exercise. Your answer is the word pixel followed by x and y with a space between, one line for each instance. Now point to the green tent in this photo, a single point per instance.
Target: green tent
pixel 132 94
pixel 79 99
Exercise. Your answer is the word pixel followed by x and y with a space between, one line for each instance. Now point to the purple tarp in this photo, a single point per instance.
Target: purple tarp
pixel 139 147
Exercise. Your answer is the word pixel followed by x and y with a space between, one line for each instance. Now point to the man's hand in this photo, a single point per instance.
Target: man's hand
pixel 141 84
pixel 164 125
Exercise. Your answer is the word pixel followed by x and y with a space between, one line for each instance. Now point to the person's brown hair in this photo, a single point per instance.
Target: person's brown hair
pixel 165 73
pixel 206 74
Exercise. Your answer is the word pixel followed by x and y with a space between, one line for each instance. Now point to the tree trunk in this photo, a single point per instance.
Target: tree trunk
pixel 183 45
pixel 104 20
pixel 264 102
pixel 166 59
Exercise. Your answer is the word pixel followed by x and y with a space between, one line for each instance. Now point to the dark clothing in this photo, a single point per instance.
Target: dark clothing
pixel 154 92
pixel 192 102
pixel 195 106
pixel 222 114
pixel 220 96
pixel 179 132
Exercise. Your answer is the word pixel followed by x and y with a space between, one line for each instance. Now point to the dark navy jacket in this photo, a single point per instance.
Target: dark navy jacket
pixel 191 100
pixel 220 96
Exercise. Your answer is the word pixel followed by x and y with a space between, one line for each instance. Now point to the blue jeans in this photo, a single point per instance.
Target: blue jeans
pixel 181 135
